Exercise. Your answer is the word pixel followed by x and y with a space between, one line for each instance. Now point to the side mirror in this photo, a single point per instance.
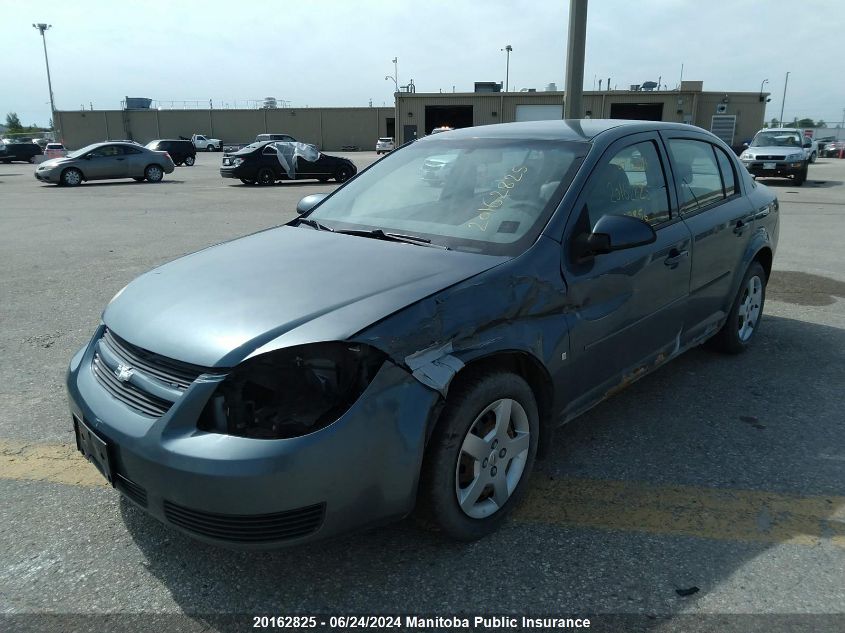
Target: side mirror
pixel 614 233
pixel 745 144
pixel 808 144
pixel 309 202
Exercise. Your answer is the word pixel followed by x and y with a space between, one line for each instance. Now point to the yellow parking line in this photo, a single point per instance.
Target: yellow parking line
pixel 56 463
pixel 713 513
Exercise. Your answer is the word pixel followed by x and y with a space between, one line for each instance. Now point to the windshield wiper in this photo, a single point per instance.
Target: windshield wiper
pixel 392 237
pixel 313 224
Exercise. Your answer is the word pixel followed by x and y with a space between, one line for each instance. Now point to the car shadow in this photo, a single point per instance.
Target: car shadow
pixel 685 426
pixel 289 183
pixel 779 183
pixel 118 183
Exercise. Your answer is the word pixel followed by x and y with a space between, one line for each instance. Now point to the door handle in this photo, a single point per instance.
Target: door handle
pixel 675 257
pixel 739 227
pixel 121 159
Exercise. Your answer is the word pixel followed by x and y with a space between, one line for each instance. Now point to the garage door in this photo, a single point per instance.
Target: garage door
pixel 539 112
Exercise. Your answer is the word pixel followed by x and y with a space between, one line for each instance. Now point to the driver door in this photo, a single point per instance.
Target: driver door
pixel 107 161
pixel 629 304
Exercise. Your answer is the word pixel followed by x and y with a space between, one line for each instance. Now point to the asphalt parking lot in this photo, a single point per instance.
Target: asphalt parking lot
pixel 725 474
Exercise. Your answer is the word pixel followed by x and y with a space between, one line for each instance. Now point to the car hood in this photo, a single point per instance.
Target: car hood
pixel 281 287
pixel 54 162
pixel 774 149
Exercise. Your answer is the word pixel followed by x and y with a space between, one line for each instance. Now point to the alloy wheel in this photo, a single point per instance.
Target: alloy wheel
pixel 749 307
pixel 492 458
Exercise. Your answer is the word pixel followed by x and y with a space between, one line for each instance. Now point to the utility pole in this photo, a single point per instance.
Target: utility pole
pixel 395 79
pixel 576 43
pixel 783 101
pixel 41 28
pixel 507 50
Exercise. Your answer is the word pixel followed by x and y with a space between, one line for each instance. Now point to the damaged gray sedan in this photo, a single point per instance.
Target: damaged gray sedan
pixel 401 346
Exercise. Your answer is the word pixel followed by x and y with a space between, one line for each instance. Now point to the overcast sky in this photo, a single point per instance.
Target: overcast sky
pixel 337 53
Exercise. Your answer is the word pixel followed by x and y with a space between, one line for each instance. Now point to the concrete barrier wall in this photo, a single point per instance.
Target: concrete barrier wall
pixel 329 128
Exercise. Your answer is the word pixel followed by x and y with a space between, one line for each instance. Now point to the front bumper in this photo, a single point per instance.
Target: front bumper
pixel 253 493
pixel 46 176
pixel 780 169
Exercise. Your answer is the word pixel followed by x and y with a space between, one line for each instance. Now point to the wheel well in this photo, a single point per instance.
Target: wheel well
pixel 530 370
pixel 764 256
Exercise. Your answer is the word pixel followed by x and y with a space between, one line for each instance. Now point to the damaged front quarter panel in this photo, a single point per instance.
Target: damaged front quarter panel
pixel 520 306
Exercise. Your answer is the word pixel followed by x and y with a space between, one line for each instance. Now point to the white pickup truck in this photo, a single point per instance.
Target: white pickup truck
pixel 208 144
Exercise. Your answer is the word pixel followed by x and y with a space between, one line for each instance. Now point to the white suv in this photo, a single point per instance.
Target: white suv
pixel 384 145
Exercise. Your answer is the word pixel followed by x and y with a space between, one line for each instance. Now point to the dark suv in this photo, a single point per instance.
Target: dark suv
pixel 25 152
pixel 181 151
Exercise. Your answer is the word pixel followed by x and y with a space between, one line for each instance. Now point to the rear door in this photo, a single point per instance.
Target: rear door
pixel 629 304
pixel 720 219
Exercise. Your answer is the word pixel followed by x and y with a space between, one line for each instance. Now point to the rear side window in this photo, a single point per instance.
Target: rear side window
pixel 631 183
pixel 697 174
pixel 728 175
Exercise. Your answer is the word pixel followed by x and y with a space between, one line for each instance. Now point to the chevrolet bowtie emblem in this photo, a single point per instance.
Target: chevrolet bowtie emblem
pixel 123 372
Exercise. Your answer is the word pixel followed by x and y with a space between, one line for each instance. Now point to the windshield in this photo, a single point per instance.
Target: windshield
pixel 490 196
pixel 776 139
pixel 80 152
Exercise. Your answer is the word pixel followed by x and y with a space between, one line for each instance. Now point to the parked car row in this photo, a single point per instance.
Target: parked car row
pixel 834 149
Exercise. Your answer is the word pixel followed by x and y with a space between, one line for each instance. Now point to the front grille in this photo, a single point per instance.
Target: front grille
pixel 128 393
pixel 173 375
pixel 131 490
pixel 761 157
pixel 256 528
pixel 173 372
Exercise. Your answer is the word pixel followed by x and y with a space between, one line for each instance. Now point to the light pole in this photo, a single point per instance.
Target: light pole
pixel 575 45
pixel 41 28
pixel 783 101
pixel 395 79
pixel 507 50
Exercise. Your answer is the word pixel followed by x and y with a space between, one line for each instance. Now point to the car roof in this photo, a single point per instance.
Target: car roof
pixel 563 130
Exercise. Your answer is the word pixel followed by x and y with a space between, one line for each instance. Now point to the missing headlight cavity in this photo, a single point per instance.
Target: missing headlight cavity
pixel 292 392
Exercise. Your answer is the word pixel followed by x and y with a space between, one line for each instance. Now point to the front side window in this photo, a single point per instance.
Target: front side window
pixel 106 151
pixel 630 182
pixel 489 196
pixel 696 174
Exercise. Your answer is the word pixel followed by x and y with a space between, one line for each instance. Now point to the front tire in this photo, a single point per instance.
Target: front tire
pixel 744 318
pixel 801 177
pixel 71 177
pixel 480 456
pixel 343 174
pixel 153 173
pixel 210 148
pixel 813 157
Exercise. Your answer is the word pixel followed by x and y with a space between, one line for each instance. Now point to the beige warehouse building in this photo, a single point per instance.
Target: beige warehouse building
pixel 733 116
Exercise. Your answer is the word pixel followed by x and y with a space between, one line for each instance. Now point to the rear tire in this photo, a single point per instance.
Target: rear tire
pixel 480 456
pixel 190 160
pixel 746 313
pixel 265 177
pixel 153 173
pixel 70 177
pixel 31 159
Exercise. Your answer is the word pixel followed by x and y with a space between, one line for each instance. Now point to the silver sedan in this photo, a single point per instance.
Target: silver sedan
pixel 103 161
